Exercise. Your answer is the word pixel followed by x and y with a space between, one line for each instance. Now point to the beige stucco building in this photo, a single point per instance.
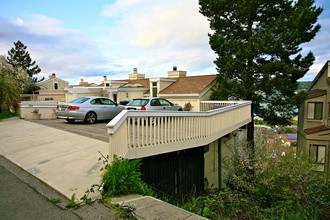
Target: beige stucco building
pixel 52 89
pixel 177 87
pixel 314 121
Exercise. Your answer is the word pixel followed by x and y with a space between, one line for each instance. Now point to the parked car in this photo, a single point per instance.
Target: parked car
pixel 151 104
pixel 88 108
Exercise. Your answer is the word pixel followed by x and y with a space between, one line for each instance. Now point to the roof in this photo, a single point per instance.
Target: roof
pixel 316 93
pixel 325 66
pixel 316 129
pixel 189 85
pixel 51 79
pixel 143 82
pixel 289 137
pixel 292 136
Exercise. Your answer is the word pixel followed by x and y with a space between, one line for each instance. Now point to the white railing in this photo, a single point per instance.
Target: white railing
pixel 136 134
pixel 211 105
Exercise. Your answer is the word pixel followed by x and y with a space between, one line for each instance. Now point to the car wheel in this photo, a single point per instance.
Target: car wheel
pixel 70 120
pixel 90 118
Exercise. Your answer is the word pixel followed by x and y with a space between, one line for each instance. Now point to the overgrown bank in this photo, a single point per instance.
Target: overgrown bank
pixel 281 187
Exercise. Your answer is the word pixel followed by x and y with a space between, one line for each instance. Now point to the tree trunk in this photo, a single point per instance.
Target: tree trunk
pixel 250 144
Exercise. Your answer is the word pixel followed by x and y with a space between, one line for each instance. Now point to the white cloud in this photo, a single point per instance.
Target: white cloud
pixel 120 8
pixel 46 26
pixel 19 22
pixel 157 35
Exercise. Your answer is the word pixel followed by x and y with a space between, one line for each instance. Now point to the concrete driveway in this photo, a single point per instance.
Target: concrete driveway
pixel 97 130
pixel 66 161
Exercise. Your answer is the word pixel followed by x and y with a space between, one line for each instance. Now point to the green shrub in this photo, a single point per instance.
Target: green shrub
pixel 6 114
pixel 280 187
pixel 123 177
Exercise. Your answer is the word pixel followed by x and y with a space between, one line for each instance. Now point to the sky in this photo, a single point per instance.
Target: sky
pixel 84 39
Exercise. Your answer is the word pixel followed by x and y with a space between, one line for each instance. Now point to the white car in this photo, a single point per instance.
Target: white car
pixel 89 109
pixel 152 104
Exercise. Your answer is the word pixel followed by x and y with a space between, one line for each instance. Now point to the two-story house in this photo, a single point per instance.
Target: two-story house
pixel 314 121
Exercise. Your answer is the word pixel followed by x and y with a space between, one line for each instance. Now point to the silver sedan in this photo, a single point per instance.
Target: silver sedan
pixel 151 104
pixel 88 108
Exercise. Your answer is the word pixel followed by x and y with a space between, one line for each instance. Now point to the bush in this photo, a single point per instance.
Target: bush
pixel 280 187
pixel 123 177
pixel 6 114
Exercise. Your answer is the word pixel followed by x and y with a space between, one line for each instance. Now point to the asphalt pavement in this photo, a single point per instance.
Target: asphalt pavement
pixel 25 197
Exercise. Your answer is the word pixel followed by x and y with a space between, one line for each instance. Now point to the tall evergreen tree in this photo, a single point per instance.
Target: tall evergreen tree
pixel 258 47
pixel 19 57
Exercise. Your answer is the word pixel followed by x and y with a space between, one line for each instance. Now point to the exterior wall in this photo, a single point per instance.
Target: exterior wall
pixel 71 96
pixel 305 144
pixel 163 84
pixel 206 96
pixel 46 109
pixel 322 81
pixel 52 94
pixel 195 102
pixel 309 142
pixel 129 95
pixel 49 84
pixel 211 165
pixel 308 123
pixel 226 143
pixel 212 168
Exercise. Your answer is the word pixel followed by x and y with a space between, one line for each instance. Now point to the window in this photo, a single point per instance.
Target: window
pixel 329 110
pixel 114 97
pixel 55 86
pixel 106 102
pixel 95 102
pixel 154 102
pixel 164 102
pixel 317 155
pixel 154 89
pixel 314 110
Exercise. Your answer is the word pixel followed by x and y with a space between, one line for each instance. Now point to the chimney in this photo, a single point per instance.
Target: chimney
pixel 135 75
pixel 82 83
pixel 53 76
pixel 104 78
pixel 175 73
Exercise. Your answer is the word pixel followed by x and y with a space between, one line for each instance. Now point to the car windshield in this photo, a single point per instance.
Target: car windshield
pixel 79 100
pixel 138 102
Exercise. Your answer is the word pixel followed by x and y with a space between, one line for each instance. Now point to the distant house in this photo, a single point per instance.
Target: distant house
pixel 288 140
pixel 52 89
pixel 177 87
pixel 314 121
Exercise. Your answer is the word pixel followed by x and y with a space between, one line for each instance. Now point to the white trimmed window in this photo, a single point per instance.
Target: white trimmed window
pixel 154 89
